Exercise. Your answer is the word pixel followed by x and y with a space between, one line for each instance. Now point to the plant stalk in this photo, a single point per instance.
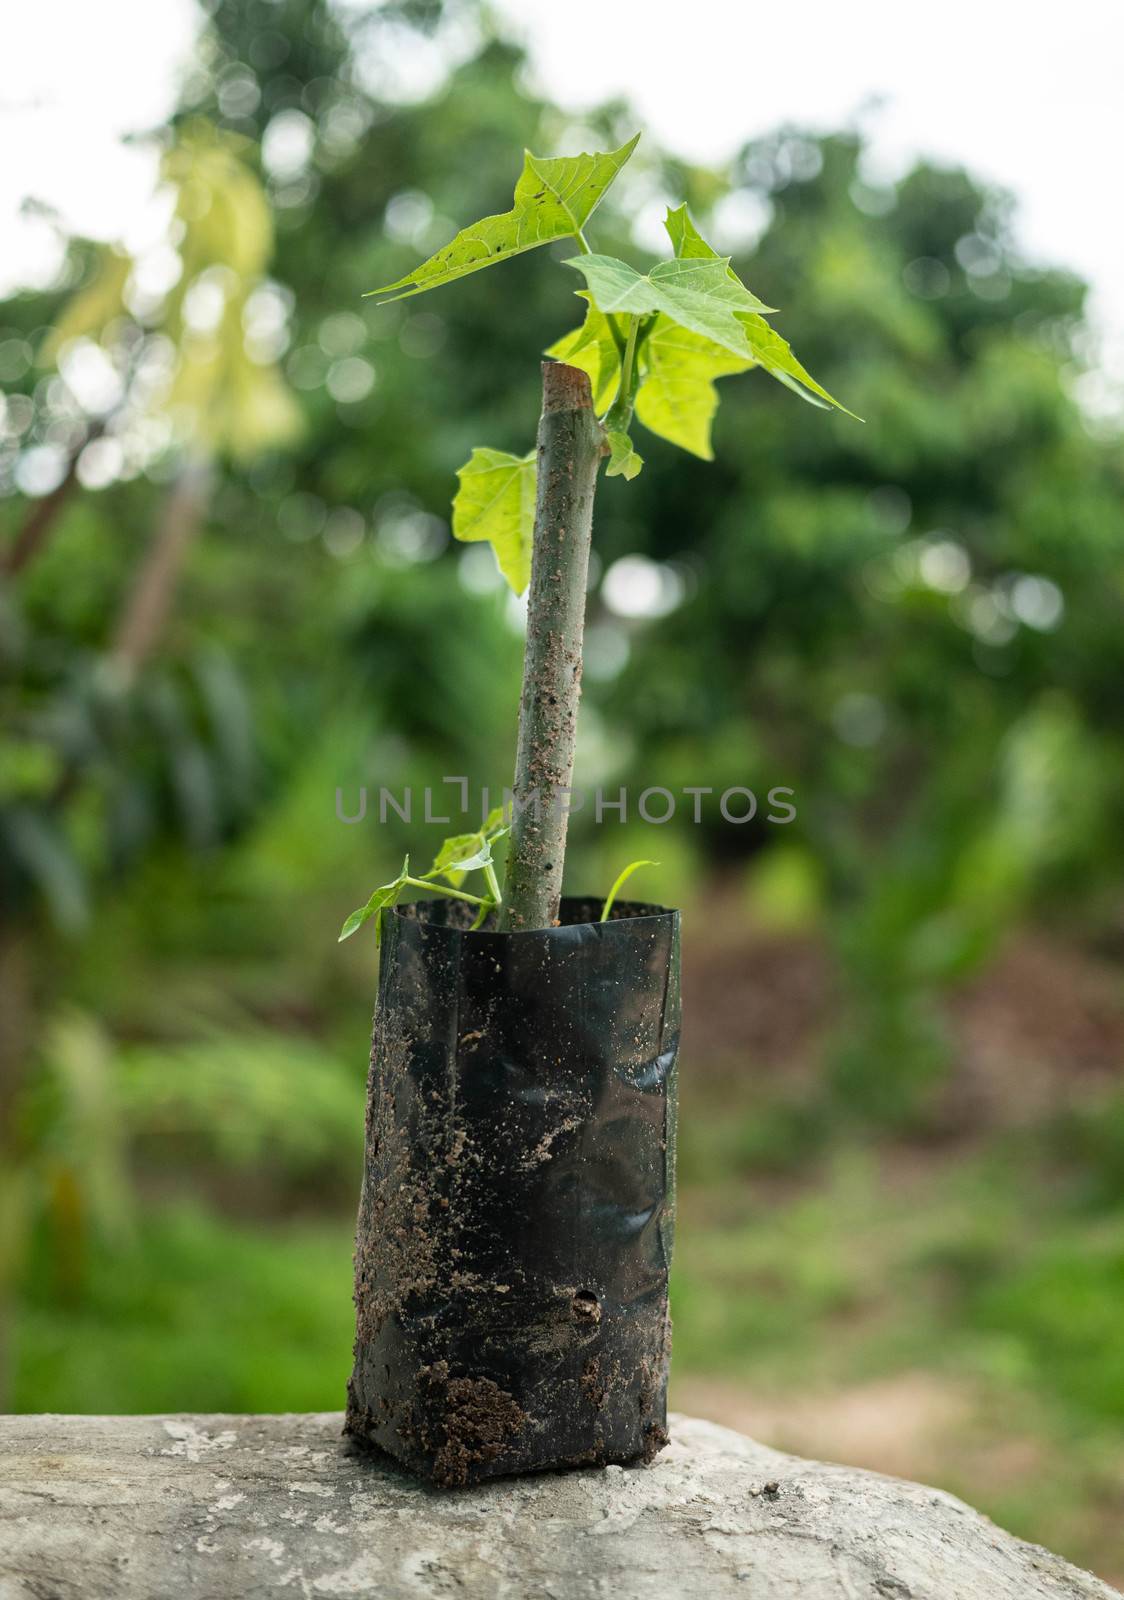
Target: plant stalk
pixel 618 418
pixel 571 444
pixel 446 889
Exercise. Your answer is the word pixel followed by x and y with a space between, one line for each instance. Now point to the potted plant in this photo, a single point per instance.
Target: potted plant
pixel 517 1210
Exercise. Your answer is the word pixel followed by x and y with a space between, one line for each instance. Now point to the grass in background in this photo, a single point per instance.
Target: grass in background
pixel 968 1296
pixel 203 1314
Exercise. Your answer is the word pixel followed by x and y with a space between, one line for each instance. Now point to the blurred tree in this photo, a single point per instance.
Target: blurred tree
pixel 914 624
pixel 161 364
pixel 158 366
pixel 195 355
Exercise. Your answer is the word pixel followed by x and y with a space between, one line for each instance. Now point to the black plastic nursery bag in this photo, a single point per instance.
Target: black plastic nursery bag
pixel 516 1220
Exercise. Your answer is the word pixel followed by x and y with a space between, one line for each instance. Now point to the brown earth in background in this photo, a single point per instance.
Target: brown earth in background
pixel 1032 1036
pixel 1043 1020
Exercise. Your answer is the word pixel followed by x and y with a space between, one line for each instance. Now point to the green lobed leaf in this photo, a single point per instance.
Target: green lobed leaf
pixel 677 398
pixel 769 350
pixel 593 349
pixel 686 240
pixel 496 501
pixel 462 853
pixel 447 861
pixel 679 365
pixel 554 198
pixel 385 895
pixel 700 294
pixel 481 855
pixel 775 355
pixel 623 459
pixel 493 826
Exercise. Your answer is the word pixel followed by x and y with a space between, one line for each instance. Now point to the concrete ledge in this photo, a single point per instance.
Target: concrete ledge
pixel 224 1507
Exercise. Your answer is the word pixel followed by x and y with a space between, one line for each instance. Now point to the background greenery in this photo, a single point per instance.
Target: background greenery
pixel 229 590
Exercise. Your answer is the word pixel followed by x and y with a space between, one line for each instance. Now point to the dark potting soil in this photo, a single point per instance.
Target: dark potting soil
pixel 516 1218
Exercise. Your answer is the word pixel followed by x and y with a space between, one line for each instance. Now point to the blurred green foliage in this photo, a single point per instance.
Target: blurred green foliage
pixel 914 624
pixel 224 1317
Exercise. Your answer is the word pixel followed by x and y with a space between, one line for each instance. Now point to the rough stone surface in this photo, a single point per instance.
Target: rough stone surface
pixel 224 1507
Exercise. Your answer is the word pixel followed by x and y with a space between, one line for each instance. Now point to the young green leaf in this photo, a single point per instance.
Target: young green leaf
pixel 623 460
pixel 593 349
pixel 768 349
pixel 461 853
pixel 622 879
pixel 496 501
pixel 686 240
pixel 703 295
pixel 480 856
pixel 554 198
pixel 677 398
pixel 493 826
pixel 775 355
pixel 385 895
pixel 447 861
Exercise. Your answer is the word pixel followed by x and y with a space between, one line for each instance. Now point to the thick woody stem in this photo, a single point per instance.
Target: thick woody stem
pixel 571 444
